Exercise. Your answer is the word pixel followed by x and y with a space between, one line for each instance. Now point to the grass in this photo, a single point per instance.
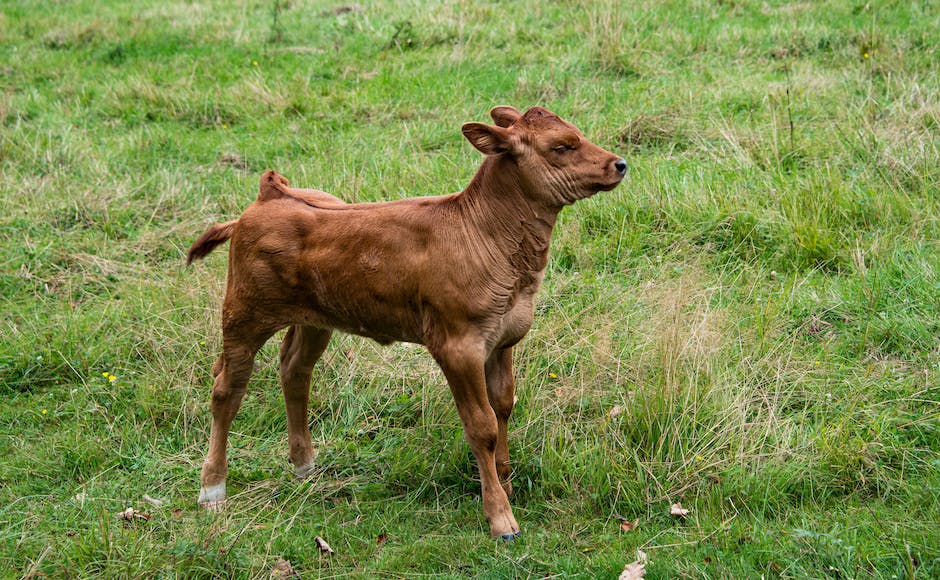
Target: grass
pixel 749 325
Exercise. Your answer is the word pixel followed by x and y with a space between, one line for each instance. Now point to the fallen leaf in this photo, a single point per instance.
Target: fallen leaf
pixel 633 571
pixel 324 547
pixel 615 412
pixel 130 514
pixel 283 569
pixel 153 501
pixel 678 510
pixel 381 539
pixel 625 524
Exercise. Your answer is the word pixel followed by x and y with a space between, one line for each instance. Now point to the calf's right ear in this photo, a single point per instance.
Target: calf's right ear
pixel 489 140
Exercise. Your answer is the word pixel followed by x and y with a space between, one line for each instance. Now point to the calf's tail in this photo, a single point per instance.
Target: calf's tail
pixel 214 236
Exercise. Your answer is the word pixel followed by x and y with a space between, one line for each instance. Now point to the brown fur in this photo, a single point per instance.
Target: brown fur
pixel 456 273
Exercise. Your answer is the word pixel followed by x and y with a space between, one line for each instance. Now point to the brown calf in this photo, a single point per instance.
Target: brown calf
pixel 456 273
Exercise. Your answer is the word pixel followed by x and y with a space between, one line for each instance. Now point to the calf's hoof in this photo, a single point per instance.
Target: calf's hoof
pixel 212 498
pixel 213 506
pixel 303 471
pixel 503 526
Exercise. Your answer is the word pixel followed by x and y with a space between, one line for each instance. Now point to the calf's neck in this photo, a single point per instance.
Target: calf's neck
pixel 456 273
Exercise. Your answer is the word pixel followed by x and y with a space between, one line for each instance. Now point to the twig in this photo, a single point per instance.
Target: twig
pixel 786 71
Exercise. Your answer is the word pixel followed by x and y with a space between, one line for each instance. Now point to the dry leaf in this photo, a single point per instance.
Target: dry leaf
pixel 625 524
pixel 153 501
pixel 324 547
pixel 678 510
pixel 633 571
pixel 283 569
pixel 130 514
pixel 615 412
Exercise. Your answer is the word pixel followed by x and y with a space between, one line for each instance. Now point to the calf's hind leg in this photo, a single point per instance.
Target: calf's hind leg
pixel 300 351
pixel 232 371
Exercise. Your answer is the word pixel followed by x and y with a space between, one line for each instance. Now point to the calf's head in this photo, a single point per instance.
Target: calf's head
pixel 555 164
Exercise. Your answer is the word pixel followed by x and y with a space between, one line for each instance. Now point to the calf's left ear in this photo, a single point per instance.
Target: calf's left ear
pixel 488 139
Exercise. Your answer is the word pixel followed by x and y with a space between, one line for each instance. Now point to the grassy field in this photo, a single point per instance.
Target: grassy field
pixel 749 325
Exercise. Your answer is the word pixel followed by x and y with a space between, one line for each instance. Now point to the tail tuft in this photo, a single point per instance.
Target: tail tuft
pixel 214 236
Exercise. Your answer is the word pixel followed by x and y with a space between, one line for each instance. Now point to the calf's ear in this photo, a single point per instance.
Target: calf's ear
pixel 488 139
pixel 505 115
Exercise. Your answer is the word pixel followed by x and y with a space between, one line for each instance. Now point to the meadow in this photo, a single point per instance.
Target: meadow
pixel 749 325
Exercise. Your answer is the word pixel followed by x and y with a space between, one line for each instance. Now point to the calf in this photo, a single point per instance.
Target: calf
pixel 456 273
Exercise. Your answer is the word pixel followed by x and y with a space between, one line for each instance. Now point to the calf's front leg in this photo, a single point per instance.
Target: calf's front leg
pixel 463 366
pixel 501 390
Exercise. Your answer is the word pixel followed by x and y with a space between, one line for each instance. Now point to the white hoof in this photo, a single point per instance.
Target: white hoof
pixel 213 506
pixel 303 471
pixel 213 497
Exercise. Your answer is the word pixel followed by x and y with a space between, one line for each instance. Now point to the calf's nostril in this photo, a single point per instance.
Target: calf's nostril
pixel 621 166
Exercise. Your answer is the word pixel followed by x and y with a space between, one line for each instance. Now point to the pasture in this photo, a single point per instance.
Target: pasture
pixel 749 325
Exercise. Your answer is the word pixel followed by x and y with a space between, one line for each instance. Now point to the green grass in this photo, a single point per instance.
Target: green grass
pixel 760 298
